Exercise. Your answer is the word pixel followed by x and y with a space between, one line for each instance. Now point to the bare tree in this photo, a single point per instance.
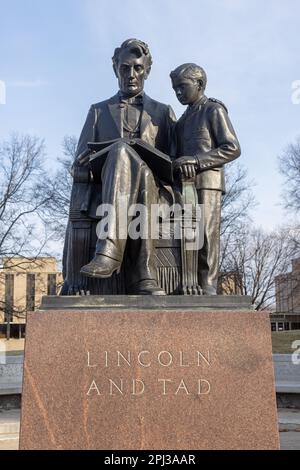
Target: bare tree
pixel 255 258
pixel 55 215
pixel 22 236
pixel 21 196
pixel 237 204
pixel 239 198
pixel 289 165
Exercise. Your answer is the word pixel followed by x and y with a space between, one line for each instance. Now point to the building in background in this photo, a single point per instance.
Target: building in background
pixel 23 282
pixel 287 286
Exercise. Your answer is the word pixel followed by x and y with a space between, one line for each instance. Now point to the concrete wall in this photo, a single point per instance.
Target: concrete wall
pixel 287 374
pixel 11 373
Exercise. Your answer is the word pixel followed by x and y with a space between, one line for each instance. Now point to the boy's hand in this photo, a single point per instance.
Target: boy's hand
pixel 185 166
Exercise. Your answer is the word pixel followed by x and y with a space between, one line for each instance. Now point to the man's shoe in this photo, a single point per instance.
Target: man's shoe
pixel 209 290
pixel 148 288
pixel 101 266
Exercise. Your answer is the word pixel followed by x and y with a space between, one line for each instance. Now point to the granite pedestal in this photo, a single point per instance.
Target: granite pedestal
pixel 123 376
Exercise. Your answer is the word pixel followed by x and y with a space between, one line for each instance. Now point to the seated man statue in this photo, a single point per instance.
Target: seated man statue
pixel 205 141
pixel 128 115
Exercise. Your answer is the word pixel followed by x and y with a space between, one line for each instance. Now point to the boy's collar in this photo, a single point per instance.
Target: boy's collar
pixel 197 103
pixel 195 106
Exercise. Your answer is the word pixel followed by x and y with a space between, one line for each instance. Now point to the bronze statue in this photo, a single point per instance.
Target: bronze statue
pixel 123 153
pixel 127 115
pixel 205 141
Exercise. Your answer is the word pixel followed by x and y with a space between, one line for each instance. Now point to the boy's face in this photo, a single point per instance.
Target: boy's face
pixel 187 90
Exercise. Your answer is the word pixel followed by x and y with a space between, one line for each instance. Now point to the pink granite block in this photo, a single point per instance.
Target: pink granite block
pixel 148 380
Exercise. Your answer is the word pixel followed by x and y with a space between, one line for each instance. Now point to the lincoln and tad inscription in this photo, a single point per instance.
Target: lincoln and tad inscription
pixel 136 386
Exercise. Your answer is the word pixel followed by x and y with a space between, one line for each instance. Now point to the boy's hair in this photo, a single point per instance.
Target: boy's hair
pixel 192 72
pixel 134 46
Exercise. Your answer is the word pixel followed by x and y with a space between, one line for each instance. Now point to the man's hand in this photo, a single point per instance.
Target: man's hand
pixel 185 167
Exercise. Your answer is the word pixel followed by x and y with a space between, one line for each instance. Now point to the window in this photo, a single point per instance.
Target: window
pixel 9 297
pixel 51 285
pixel 30 292
pixel 280 326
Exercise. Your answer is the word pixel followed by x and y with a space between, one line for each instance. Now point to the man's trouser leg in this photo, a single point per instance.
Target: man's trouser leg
pixel 126 179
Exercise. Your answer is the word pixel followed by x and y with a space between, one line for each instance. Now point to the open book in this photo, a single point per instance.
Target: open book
pixel 157 161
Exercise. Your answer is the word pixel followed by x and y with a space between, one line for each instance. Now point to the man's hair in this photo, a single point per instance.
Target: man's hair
pixel 192 72
pixel 133 46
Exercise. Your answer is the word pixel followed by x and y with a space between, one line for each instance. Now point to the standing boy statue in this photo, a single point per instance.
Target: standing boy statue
pixel 205 141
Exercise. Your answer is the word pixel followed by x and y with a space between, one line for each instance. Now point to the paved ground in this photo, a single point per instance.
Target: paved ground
pixel 9 429
pixel 289 427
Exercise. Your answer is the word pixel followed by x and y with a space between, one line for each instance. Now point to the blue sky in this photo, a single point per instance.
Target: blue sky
pixel 56 61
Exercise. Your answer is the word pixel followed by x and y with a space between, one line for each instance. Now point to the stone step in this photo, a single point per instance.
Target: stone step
pixel 9 423
pixel 9 428
pixel 9 437
pixel 10 442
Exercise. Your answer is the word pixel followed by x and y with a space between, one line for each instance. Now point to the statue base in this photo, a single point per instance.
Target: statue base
pixel 98 302
pixel 140 376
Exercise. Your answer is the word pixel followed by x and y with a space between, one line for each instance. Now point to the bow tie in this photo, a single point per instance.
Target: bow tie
pixel 137 100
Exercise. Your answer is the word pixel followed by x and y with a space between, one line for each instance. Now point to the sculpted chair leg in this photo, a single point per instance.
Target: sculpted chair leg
pixel 79 247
